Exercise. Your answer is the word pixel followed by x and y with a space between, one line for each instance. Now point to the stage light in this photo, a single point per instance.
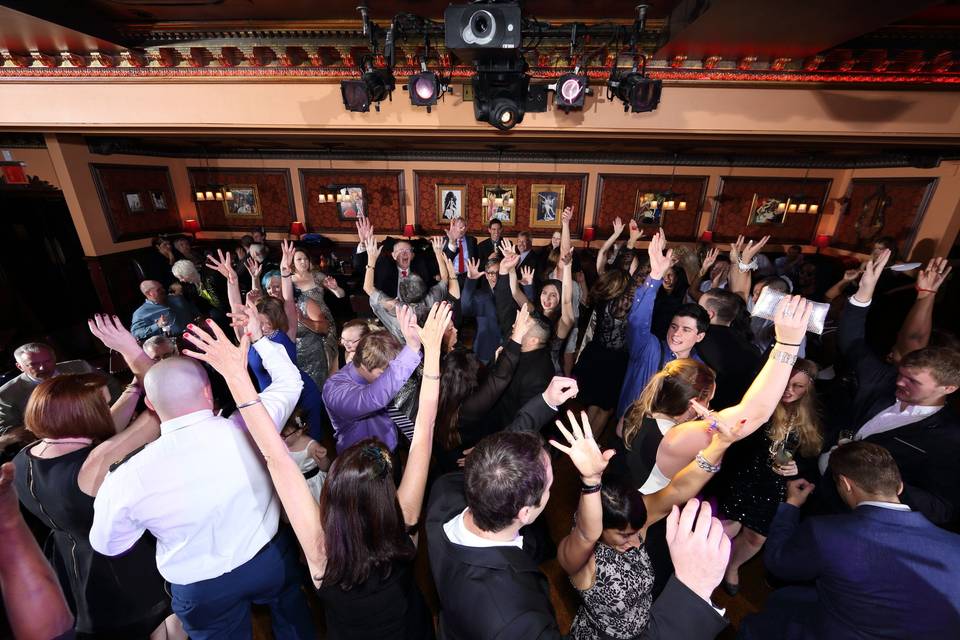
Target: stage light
pixel 570 91
pixel 637 92
pixel 500 91
pixel 374 86
pixel 425 89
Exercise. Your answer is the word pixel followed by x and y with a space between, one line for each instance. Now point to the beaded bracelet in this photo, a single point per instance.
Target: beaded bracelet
pixel 705 464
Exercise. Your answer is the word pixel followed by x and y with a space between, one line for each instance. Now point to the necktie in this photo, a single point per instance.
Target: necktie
pixel 403 273
pixel 461 266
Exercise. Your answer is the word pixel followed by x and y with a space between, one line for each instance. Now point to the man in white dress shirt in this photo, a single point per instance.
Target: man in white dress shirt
pixel 203 491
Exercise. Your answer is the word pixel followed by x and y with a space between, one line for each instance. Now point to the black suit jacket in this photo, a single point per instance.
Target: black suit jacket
pixel 734 360
pixel 499 593
pixel 486 249
pixel 925 451
pixel 386 275
pixel 472 252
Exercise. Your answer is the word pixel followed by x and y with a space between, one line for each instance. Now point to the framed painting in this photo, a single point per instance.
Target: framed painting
pixel 649 208
pixel 158 200
pixel 134 201
pixel 351 202
pixel 546 203
pixel 503 212
pixel 245 203
pixel 451 202
pixel 767 210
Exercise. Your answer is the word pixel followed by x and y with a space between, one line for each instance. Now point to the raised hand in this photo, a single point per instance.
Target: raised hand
pixel 659 260
pixel 473 269
pixel 407 320
pixel 509 261
pixel 253 268
pixel 750 251
pixel 526 275
pixel 438 320
pixel 635 231
pixel 254 296
pixel 851 275
pixel 111 332
pixel 247 319
pixel 582 449
pixel 930 279
pixel 330 283
pixel 798 491
pixel 567 256
pixel 871 273
pixel 228 360
pixel 223 265
pixel 452 234
pixel 790 319
pixel 373 250
pixel 617 227
pixel 437 242
pixel 720 273
pixel 286 260
pixel 507 248
pixel 521 325
pixel 700 554
pixel 709 259
pixel 567 215
pixel 364 229
pixel 736 249
pixel 560 390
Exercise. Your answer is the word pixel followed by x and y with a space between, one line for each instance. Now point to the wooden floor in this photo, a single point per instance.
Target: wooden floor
pixel 559 518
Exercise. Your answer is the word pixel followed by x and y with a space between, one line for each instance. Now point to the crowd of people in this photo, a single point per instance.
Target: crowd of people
pixel 272 442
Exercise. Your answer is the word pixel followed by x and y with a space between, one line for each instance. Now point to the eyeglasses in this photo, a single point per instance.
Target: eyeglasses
pixel 346 342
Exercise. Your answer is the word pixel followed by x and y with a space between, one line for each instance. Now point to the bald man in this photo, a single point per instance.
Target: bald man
pixel 160 311
pixel 202 490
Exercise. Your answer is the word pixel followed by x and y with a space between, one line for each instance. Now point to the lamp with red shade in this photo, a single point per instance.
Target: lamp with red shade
pixel 408 231
pixel 297 229
pixel 822 241
pixel 588 235
pixel 192 227
pixel 706 236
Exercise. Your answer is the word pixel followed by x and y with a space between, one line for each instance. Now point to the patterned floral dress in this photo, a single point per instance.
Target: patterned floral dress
pixel 618 604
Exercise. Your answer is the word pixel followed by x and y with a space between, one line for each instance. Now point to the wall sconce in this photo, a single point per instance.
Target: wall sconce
pixel 297 228
pixel 802 207
pixel 814 208
pixel 408 230
pixel 588 234
pixel 706 236
pixel 212 193
pixel 792 208
pixel 822 241
pixel 781 207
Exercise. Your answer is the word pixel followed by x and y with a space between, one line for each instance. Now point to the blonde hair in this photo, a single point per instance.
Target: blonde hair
pixel 669 392
pixel 801 414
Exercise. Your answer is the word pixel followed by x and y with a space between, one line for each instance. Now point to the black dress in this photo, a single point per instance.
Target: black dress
pixel 112 597
pixel 603 363
pixel 382 608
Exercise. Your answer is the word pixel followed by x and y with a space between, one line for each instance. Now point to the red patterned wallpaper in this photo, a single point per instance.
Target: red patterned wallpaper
pixel 736 197
pixel 152 211
pixel 273 189
pixel 574 194
pixel 906 202
pixel 618 197
pixel 383 192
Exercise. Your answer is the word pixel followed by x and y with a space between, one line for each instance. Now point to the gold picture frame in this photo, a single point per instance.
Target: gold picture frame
pixel 245 202
pixel 451 202
pixel 766 210
pixel 505 213
pixel 546 205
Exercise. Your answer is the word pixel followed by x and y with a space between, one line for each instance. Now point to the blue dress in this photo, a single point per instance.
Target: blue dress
pixel 311 402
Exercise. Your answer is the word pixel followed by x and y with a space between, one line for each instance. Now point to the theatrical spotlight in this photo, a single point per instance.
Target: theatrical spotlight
pixel 570 90
pixel 500 91
pixel 425 89
pixel 374 86
pixel 638 92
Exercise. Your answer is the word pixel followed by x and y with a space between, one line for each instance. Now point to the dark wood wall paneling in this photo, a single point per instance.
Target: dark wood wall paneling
pixel 732 210
pixel 908 200
pixel 383 191
pixel 425 194
pixel 617 197
pixel 113 181
pixel 273 187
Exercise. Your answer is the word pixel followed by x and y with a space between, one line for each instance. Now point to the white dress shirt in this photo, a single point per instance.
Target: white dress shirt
pixel 202 488
pixel 893 418
pixel 458 533
pixel 893 506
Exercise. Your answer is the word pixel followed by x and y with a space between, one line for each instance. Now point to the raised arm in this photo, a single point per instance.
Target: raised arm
pixel 566 296
pixel 602 254
pixel 372 248
pixel 565 218
pixel 330 284
pixel 576 549
pixel 298 503
pixel 224 266
pixel 122 410
pixel 849 276
pixel 506 305
pixel 682 442
pixel 453 283
pixel 414 481
pixel 470 286
pixel 111 332
pixel 915 332
pixel 694 289
pixel 641 312
pixel 851 331
pixel 286 288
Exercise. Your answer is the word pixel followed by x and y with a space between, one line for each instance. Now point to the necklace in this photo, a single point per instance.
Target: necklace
pixel 48 442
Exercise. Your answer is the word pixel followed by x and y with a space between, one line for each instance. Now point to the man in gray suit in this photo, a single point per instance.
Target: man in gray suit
pixel 37 362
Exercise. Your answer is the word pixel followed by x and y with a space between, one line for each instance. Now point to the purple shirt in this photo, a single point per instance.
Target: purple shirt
pixel 357 408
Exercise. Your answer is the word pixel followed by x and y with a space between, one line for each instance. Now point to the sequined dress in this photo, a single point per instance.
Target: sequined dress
pixel 315 351
pixel 618 603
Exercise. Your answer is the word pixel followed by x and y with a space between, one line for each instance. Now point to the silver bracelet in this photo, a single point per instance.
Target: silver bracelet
pixel 747 267
pixel 256 400
pixel 705 464
pixel 784 357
